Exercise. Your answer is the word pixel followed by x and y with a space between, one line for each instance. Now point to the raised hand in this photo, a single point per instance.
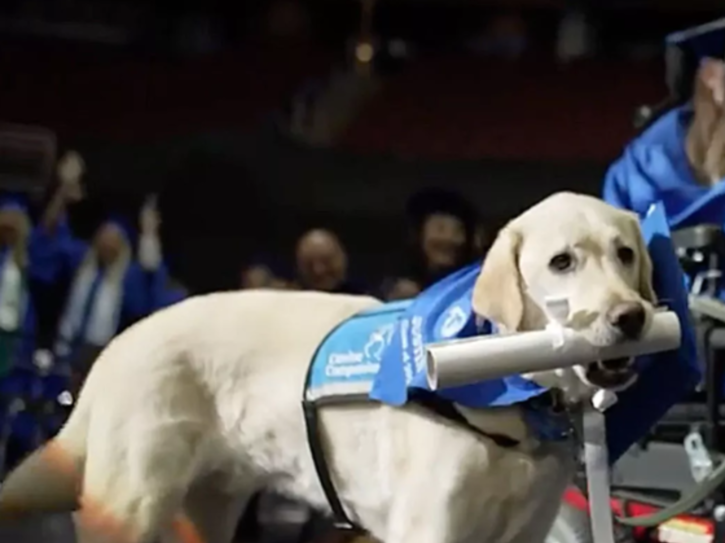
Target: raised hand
pixel 71 168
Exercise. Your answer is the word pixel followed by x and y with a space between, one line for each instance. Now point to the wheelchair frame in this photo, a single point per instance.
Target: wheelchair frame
pixel 656 465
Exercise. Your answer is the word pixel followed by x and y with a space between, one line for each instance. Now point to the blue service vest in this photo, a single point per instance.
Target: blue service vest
pixel 379 354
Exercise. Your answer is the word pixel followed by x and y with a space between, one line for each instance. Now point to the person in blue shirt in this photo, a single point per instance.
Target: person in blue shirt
pixel 680 158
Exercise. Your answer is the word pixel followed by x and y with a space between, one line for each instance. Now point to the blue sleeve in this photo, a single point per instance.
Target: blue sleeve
pixel 635 181
pixel 54 255
pixel 159 294
pixel 145 292
pixel 170 297
pixel 616 190
pixel 137 293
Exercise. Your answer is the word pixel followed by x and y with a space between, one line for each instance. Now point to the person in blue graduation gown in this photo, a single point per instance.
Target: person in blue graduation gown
pixel 680 158
pixel 109 288
pixel 107 285
pixel 20 280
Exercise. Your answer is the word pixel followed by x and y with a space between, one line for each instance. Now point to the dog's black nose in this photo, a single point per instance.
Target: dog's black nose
pixel 628 318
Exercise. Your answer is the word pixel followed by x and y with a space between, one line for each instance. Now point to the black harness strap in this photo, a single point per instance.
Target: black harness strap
pixel 314 440
pixel 429 400
pixel 341 520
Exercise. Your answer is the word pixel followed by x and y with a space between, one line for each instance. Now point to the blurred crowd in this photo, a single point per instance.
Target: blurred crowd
pixel 446 233
pixel 63 298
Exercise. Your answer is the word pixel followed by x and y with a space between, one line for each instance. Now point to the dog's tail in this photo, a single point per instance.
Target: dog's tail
pixel 48 481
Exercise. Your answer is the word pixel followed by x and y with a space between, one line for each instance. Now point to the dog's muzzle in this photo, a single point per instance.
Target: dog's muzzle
pixel 612 374
pixel 628 319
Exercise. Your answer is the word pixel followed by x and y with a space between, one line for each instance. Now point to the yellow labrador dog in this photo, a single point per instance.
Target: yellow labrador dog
pixel 198 406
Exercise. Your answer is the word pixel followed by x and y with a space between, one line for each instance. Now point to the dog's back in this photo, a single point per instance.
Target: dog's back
pixel 184 380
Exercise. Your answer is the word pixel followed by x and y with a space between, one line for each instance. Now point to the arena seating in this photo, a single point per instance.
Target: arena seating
pixel 472 108
pixel 124 98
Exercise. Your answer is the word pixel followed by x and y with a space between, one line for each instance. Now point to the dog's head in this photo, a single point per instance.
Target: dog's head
pixel 579 247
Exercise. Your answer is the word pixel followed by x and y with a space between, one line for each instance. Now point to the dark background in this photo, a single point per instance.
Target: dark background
pixel 196 101
pixel 152 110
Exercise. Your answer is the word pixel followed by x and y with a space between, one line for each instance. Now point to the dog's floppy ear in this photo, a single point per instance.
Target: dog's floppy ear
pixel 497 294
pixel 646 290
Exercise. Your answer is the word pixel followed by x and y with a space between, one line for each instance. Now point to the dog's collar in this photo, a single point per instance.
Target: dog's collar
pixel 448 410
pixel 548 417
pixel 545 415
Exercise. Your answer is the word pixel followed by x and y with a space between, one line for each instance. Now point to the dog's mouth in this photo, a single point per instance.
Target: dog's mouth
pixel 613 374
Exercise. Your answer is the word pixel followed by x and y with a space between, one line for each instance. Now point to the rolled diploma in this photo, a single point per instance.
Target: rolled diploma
pixel 484 358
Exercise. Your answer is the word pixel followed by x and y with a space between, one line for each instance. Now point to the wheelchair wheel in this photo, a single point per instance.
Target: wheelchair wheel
pixel 571 526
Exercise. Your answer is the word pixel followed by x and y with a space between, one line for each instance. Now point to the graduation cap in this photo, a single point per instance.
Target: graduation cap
pixel 437 201
pixel 684 52
pixel 686 49
pixel 124 225
pixel 11 201
pixel 120 210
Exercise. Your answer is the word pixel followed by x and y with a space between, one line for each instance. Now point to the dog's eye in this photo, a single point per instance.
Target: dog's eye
pixel 625 255
pixel 561 262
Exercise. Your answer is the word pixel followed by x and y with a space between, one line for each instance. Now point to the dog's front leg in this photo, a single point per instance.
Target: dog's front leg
pixel 447 494
pixel 210 515
pixel 406 525
pixel 434 515
pixel 532 519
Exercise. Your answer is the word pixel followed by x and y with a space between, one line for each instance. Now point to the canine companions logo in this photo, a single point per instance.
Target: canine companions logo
pixel 454 320
pixel 412 346
pixel 349 359
pixel 365 362
pixel 379 339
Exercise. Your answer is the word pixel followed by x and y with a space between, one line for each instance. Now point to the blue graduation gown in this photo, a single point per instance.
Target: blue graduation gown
pixel 20 344
pixel 38 277
pixel 654 168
